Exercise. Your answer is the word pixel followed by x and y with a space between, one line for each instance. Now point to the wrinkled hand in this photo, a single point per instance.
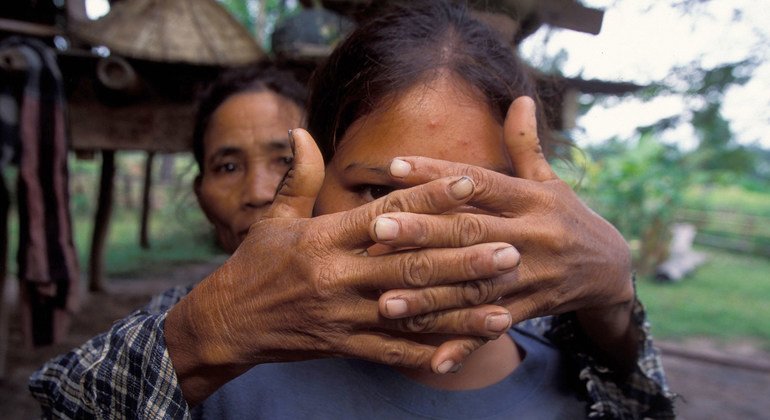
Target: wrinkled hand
pixel 571 258
pixel 304 288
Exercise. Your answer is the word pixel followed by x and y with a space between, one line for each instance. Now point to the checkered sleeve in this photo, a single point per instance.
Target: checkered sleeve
pixel 123 373
pixel 642 394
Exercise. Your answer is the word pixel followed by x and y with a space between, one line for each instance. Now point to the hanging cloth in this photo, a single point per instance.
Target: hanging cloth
pixel 47 261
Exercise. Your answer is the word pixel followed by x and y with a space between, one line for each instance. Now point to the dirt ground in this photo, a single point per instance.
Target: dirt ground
pixel 708 390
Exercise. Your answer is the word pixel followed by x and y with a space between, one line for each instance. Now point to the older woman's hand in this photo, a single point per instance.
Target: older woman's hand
pixel 303 288
pixel 571 258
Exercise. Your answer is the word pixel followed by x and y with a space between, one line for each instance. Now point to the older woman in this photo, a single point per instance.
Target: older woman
pixel 423 118
pixel 243 152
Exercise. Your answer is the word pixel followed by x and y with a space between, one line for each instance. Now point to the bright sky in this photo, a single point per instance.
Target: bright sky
pixel 641 41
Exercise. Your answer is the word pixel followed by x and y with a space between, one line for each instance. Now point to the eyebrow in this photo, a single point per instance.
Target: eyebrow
pixel 277 144
pixel 226 151
pixel 379 170
pixel 272 145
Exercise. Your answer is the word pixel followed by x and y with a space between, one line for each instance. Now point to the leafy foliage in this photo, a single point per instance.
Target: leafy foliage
pixel 638 187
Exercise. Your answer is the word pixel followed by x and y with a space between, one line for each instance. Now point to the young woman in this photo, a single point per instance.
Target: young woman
pixel 416 95
pixel 423 118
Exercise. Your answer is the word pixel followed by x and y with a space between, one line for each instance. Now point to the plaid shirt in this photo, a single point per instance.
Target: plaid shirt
pixel 127 373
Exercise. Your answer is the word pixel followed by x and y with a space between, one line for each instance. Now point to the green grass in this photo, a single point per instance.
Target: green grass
pixel 728 198
pixel 174 239
pixel 727 298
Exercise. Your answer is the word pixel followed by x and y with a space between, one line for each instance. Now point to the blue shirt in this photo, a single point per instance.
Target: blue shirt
pixel 355 389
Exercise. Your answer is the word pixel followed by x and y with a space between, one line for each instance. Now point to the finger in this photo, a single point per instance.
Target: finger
pixel 401 303
pixel 399 230
pixel 450 355
pixel 394 231
pixel 391 351
pixel 434 197
pixel 487 321
pixel 494 192
pixel 522 142
pixel 536 303
pixel 298 191
pixel 428 267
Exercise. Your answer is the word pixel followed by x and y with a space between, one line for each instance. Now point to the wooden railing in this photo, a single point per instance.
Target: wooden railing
pixel 730 230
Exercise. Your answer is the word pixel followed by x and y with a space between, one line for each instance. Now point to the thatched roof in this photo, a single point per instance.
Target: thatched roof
pixel 181 31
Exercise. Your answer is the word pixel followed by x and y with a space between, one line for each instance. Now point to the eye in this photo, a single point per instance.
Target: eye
pixel 372 192
pixel 286 160
pixel 226 167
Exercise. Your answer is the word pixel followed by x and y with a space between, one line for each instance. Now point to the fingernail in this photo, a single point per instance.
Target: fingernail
pixel 461 188
pixel 386 229
pixel 400 168
pixel 498 322
pixel 291 140
pixel 448 366
pixel 396 307
pixel 506 258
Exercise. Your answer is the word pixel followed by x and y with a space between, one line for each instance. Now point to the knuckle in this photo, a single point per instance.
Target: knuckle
pixel 477 175
pixel 394 354
pixel 549 199
pixel 420 323
pixel 417 270
pixel 473 265
pixel 548 302
pixel 323 280
pixel 470 345
pixel 429 300
pixel 471 230
pixel 477 292
pixel 554 236
pixel 394 202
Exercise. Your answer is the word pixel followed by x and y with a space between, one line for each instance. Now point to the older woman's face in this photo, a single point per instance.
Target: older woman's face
pixel 444 119
pixel 246 154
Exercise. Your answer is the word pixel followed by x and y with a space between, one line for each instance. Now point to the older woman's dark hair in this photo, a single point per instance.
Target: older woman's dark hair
pixel 258 78
pixel 409 44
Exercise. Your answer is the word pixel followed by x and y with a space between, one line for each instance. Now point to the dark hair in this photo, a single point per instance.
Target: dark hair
pixel 406 45
pixel 257 78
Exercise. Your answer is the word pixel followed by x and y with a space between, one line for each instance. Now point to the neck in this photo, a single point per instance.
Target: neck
pixel 486 366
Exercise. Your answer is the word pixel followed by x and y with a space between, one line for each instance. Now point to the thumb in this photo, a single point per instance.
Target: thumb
pixel 520 133
pixel 299 189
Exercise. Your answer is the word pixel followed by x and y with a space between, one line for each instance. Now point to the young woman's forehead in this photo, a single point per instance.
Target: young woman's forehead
pixel 443 119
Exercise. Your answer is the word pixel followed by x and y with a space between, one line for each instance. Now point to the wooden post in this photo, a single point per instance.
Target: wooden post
pixel 101 222
pixel 5 201
pixel 144 236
